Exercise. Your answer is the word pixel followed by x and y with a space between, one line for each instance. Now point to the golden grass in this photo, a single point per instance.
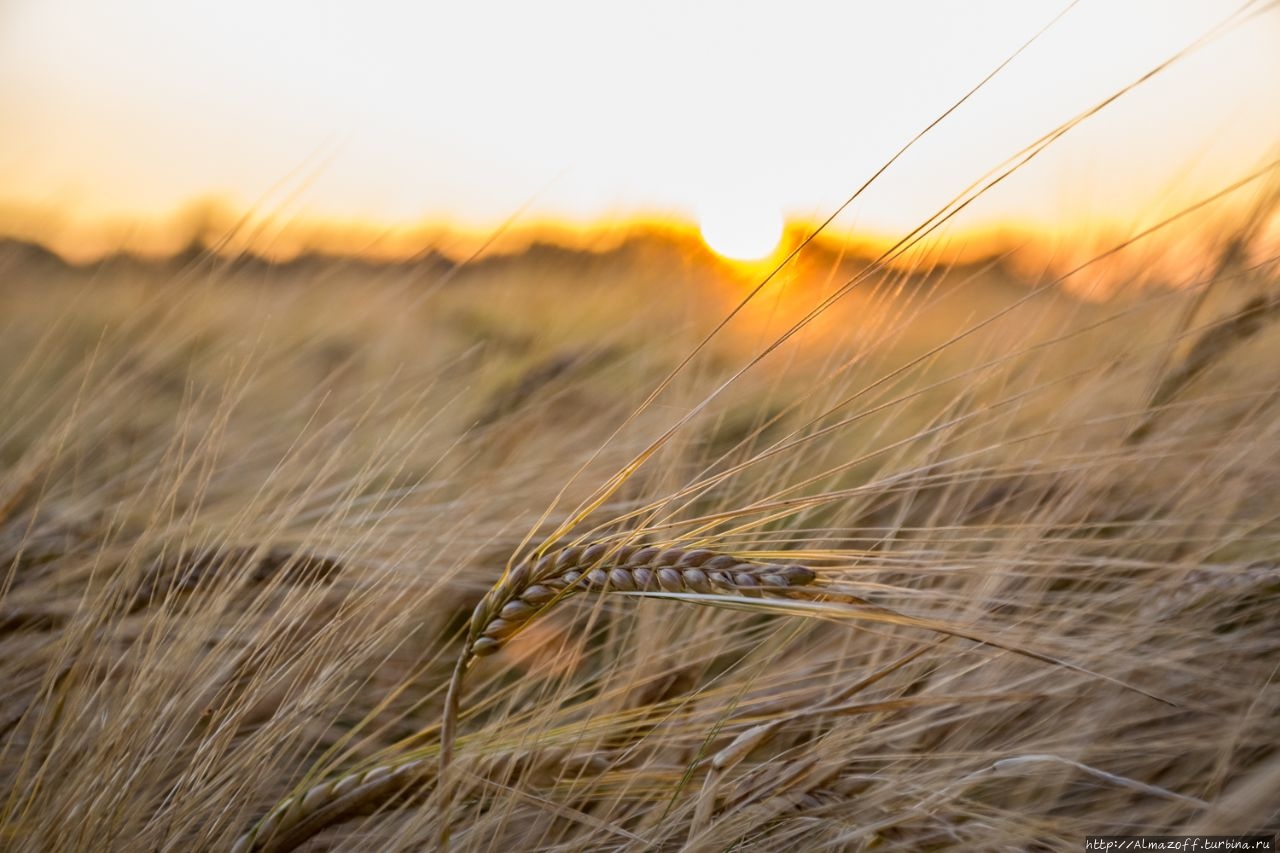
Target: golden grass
pixel 249 527
pixel 256 526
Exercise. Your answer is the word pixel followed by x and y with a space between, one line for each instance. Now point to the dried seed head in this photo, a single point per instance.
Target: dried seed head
pixel 670 580
pixel 644 556
pixel 271 822
pixel 595 553
pixel 517 611
pixel 720 562
pixel 538 594
pixel 298 819
pixel 798 575
pixel 569 557
pixel 410 768
pixel 312 799
pixel 628 568
pixel 696 580
pixel 479 618
pixel 621 579
pixel 743 744
pixel 518 576
pixel 746 583
pixel 508 606
pixel 695 558
pixel 500 629
pixel 669 557
pixel 345 784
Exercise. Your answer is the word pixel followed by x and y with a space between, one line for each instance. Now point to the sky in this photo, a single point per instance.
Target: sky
pixel 391 114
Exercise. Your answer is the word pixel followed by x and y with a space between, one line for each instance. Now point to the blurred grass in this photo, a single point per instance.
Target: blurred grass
pixel 415 431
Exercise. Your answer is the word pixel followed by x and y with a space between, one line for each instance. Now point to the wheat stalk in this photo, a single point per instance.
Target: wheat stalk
pixel 539 583
pixel 1211 347
pixel 299 818
pixel 533 587
pixel 189 570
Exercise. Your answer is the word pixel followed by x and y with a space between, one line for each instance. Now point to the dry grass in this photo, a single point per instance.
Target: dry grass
pixel 251 532
pixel 1212 345
pixel 898 556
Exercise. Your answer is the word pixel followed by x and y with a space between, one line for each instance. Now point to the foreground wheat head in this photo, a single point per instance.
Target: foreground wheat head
pixel 534 586
pixel 531 588
pixel 297 819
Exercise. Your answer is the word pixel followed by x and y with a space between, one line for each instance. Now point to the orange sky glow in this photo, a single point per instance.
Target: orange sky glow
pixel 137 123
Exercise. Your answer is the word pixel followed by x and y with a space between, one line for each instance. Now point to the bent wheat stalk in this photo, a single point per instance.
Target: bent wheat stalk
pixel 299 818
pixel 538 584
pixel 531 588
pixel 1211 347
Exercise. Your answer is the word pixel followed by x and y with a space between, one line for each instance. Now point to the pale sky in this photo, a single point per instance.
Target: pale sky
pixel 398 112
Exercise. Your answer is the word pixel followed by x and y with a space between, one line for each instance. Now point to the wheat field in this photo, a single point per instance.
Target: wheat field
pixel 930 543
pixel 906 557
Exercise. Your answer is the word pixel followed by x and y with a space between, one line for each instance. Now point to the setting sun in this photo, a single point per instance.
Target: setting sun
pixel 740 231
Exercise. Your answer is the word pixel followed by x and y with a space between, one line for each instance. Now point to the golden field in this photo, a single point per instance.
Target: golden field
pixel 247 510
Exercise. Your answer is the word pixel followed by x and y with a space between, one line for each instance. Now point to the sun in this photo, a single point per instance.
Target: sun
pixel 740 230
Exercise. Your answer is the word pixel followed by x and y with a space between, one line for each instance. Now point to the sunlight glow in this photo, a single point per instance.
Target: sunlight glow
pixel 121 118
pixel 740 231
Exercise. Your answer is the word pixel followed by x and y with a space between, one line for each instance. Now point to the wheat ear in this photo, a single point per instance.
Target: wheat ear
pixel 299 818
pixel 1212 345
pixel 537 584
